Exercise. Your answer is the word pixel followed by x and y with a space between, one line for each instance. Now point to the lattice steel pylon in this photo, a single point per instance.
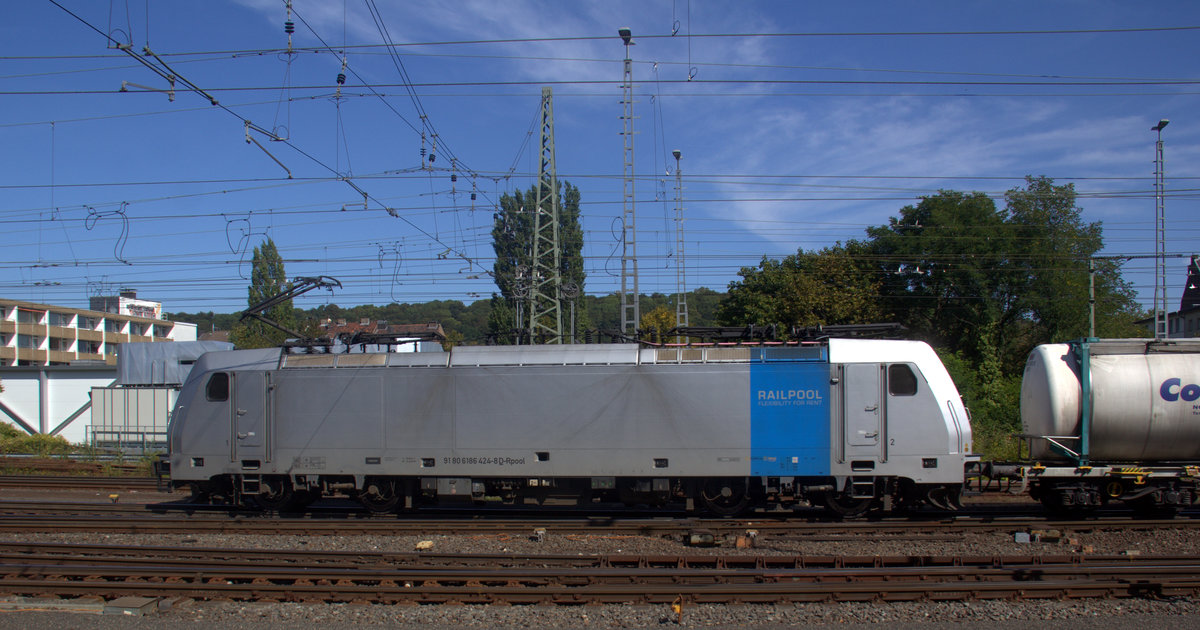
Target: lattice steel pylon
pixel 630 310
pixel 1160 238
pixel 681 308
pixel 545 295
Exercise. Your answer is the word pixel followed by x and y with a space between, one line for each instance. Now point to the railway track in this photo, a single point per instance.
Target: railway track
pixel 248 575
pixel 175 518
pixel 51 482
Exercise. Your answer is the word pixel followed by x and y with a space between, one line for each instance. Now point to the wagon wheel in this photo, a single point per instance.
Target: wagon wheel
pixel 379 496
pixel 276 494
pixel 1146 507
pixel 725 497
pixel 847 507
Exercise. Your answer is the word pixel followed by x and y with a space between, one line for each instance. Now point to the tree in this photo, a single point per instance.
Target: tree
pixel 954 267
pixel 1052 246
pixel 512 233
pixel 942 265
pixel 657 321
pixel 267 279
pixel 832 286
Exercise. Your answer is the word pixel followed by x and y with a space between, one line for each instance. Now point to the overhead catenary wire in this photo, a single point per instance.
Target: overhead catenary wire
pixel 758 192
pixel 165 71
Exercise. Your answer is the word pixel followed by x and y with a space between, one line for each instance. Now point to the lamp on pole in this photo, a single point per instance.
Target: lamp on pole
pixel 1160 239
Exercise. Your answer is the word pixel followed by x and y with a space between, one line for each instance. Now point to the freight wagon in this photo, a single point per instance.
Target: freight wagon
pixel 1113 420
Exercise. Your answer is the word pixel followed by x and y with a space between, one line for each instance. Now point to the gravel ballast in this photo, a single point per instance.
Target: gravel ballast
pixel 1084 613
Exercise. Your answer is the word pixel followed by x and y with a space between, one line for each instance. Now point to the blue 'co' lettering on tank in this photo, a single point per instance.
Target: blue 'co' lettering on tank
pixel 1173 389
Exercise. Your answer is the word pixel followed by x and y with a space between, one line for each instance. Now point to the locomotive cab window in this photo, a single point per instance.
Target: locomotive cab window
pixel 902 381
pixel 218 387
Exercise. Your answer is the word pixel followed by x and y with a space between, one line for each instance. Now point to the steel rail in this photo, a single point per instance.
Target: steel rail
pixel 145 519
pixel 528 579
pixel 50 482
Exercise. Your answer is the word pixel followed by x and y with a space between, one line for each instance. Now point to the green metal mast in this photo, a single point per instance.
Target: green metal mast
pixel 545 295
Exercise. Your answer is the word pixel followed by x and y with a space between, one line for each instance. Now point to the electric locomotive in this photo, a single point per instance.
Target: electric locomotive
pixel 848 424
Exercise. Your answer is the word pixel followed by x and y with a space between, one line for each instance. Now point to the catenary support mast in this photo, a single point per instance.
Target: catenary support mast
pixel 681 307
pixel 630 311
pixel 545 295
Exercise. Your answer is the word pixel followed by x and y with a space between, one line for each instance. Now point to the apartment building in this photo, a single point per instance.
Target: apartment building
pixel 43 334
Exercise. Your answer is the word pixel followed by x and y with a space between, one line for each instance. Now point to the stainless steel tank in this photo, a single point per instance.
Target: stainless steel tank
pixel 1145 399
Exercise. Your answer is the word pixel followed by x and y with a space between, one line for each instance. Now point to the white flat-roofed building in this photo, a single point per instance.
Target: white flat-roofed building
pixel 44 334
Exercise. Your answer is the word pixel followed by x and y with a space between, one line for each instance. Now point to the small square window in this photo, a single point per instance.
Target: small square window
pixel 902 381
pixel 218 387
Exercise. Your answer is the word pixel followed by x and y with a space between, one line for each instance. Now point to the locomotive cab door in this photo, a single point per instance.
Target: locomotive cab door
pixel 863 413
pixel 249 417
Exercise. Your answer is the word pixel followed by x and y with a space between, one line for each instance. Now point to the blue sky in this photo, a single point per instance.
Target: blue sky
pixel 802 124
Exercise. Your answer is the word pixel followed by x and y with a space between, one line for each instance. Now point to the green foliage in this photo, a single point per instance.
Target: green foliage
pixel 657 321
pixel 8 431
pixel 267 279
pixel 512 235
pixel 501 318
pixel 955 266
pixel 992 398
pixel 805 289
pixel 605 310
pixel 15 441
pixel 467 323
pixel 206 321
pixel 942 269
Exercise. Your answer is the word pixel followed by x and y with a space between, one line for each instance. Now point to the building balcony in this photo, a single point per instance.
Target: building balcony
pixel 89 335
pixel 61 357
pixel 31 355
pixel 111 337
pixel 60 332
pixel 7 326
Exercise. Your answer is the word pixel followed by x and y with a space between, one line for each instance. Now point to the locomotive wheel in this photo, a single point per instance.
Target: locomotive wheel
pixel 276 494
pixel 379 496
pixel 847 507
pixel 304 498
pixel 725 497
pixel 200 495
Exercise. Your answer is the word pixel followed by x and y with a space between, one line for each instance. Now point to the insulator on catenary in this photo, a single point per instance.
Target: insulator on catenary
pixel 472 196
pixel 453 177
pixel 289 27
pixel 341 78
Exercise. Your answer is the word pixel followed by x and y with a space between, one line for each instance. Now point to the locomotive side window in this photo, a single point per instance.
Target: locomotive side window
pixel 218 387
pixel 901 380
